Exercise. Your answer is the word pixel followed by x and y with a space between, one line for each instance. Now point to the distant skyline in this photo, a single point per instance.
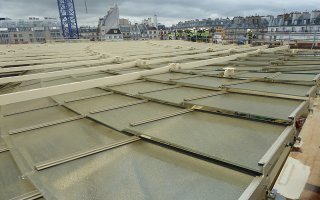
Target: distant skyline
pixel 169 11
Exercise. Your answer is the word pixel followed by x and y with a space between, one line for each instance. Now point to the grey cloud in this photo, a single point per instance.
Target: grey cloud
pixel 169 11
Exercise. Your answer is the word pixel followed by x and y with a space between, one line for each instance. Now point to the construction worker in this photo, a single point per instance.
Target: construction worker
pixel 206 35
pixel 170 35
pixel 249 36
pixel 194 35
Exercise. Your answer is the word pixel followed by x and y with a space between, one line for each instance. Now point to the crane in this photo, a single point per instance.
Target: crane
pixel 68 19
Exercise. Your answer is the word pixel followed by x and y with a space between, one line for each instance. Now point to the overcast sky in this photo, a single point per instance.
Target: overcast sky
pixel 169 11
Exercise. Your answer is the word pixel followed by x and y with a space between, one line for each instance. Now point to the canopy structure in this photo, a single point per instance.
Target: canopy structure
pixel 149 120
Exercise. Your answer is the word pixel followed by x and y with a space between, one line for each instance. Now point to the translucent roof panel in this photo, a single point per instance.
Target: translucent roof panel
pixel 122 117
pixel 306 72
pixel 27 105
pixel 2 144
pixel 138 87
pixel 140 171
pixel 177 95
pixel 205 81
pixel 35 117
pixel 297 90
pixel 58 141
pixel 254 75
pixel 11 183
pixel 274 108
pixel 296 77
pixel 232 140
pixel 79 94
pixel 87 105
pixel 167 76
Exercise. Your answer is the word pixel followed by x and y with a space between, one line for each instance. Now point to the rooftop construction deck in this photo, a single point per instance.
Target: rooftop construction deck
pixel 149 120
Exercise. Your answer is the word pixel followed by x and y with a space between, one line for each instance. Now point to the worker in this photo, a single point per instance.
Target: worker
pixel 170 35
pixel 177 35
pixel 194 33
pixel 249 36
pixel 206 35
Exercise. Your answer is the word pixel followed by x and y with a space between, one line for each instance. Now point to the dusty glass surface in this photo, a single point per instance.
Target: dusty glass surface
pixel 177 95
pixel 79 94
pixel 27 105
pixel 135 88
pixel 167 76
pixel 210 82
pixel 254 75
pixel 275 108
pixel 140 171
pixel 297 90
pixel 295 77
pixel 61 140
pixel 11 183
pixel 306 72
pixel 36 117
pixel 121 118
pixel 2 143
pixel 233 140
pixel 87 105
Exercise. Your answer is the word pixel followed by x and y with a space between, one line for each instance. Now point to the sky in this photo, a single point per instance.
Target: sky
pixel 169 11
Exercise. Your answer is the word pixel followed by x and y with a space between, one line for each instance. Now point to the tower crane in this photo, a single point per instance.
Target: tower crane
pixel 68 19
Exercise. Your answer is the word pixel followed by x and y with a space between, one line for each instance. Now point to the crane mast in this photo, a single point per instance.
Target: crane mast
pixel 68 19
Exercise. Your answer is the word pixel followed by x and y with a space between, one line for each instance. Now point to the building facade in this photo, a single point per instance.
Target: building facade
pixel 32 30
pixel 109 27
pixel 295 26
pixel 89 33
pixel 290 26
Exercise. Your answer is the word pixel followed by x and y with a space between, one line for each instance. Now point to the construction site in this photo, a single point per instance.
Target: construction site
pixel 158 120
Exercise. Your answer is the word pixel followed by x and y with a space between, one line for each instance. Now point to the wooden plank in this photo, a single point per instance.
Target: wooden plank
pixel 309 153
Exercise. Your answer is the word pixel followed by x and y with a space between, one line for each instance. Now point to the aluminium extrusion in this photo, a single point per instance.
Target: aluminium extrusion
pixel 29 196
pixel 268 94
pixel 161 117
pixel 47 61
pixel 74 156
pixel 95 69
pixel 29 110
pixel 87 97
pixel 301 109
pixel 43 125
pixel 254 190
pixel 237 113
pixel 271 156
pixel 161 89
pixel 229 58
pixel 205 96
pixel 118 106
pixel 72 87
